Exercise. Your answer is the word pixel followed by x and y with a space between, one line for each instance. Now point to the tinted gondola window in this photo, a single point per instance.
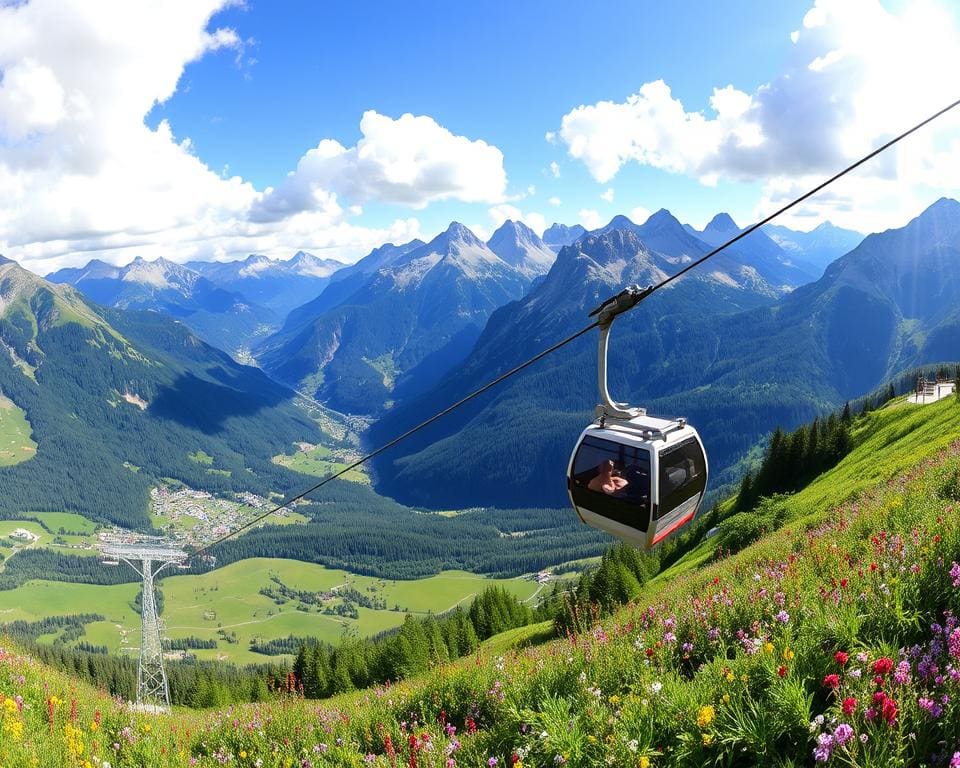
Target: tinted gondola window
pixel 625 499
pixel 683 474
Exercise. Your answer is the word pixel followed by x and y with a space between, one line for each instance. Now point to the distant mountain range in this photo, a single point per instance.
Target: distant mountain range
pixel 225 319
pixel 416 312
pixel 891 303
pixel 227 304
pixel 117 399
pixel 281 286
pixel 820 247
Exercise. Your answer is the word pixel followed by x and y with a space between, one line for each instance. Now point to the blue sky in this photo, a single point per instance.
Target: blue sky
pixel 213 129
pixel 503 72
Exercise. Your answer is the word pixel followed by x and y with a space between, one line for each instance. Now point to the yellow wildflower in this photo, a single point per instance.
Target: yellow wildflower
pixel 728 677
pixel 707 739
pixel 614 700
pixel 768 647
pixel 243 754
pixel 705 715
pixel 94 726
pixel 10 706
pixel 147 727
pixel 788 654
pixel 644 762
pixel 726 698
pixel 592 739
pixel 14 728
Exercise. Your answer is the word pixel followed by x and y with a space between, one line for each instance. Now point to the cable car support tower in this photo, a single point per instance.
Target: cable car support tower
pixel 147 556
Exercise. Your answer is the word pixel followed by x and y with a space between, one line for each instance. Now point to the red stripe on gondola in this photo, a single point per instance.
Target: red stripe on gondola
pixel 681 522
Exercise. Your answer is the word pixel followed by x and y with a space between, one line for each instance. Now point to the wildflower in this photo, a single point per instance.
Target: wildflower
pixel 824 748
pixel 955 573
pixel 832 681
pixel 788 654
pixel 883 666
pixel 783 617
pixel 889 711
pixel 707 739
pixel 902 674
pixel 930 707
pixel 768 647
pixel 842 734
pixel 782 671
pixel 644 762
pixel 492 762
pixel 841 658
pixel 656 687
pixel 849 706
pixel 706 715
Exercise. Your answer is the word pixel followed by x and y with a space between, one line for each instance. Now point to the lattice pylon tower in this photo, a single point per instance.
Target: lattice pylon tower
pixel 147 558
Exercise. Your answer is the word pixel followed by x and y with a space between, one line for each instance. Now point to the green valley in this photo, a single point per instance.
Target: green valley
pixel 228 606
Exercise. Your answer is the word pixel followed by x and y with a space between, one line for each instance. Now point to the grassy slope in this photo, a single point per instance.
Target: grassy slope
pixel 865 575
pixel 16 442
pixel 888 443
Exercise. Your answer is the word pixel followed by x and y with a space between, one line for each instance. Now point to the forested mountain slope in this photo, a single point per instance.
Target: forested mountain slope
pixel 117 399
pixel 888 305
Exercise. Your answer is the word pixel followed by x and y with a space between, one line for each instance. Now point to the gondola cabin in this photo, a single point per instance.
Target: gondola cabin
pixel 639 479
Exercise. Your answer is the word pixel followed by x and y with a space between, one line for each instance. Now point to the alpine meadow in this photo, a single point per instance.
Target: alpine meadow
pixel 438 386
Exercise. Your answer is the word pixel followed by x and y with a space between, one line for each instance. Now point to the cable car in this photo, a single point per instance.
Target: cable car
pixel 634 476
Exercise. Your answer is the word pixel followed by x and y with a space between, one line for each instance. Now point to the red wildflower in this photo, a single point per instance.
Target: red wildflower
pixel 649 652
pixel 832 681
pixel 873 566
pixel 782 671
pixel 841 658
pixel 849 706
pixel 889 711
pixel 883 666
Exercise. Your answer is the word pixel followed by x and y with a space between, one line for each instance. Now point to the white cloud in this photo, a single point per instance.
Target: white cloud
pixel 857 74
pixel 83 176
pixel 639 215
pixel 501 213
pixel 554 201
pixel 411 160
pixel 590 218
pixel 554 169
pixel 608 195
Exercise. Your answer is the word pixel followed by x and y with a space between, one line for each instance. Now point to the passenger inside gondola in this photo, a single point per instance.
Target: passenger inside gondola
pixel 607 479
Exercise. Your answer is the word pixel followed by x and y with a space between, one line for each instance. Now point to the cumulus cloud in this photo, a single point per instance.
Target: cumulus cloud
pixel 411 160
pixel 857 74
pixel 639 215
pixel 555 169
pixel 83 176
pixel 501 213
pixel 608 195
pixel 554 201
pixel 590 218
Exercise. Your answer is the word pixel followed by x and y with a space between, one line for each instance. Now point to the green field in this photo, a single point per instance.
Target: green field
pixel 68 521
pixel 319 461
pixel 74 543
pixel 229 599
pixel 16 443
